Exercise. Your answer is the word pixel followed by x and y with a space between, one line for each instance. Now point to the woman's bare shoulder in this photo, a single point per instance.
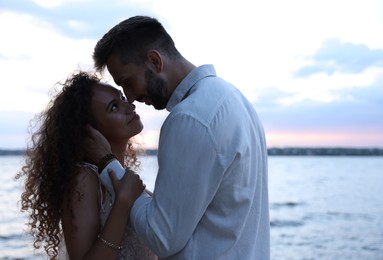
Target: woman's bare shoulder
pixel 85 173
pixel 86 184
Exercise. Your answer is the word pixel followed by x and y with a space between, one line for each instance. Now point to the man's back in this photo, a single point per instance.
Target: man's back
pixel 211 189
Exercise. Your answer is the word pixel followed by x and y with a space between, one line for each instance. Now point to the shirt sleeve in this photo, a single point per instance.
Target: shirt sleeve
pixel 104 176
pixel 189 175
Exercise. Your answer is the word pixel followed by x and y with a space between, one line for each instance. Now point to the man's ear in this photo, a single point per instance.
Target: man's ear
pixel 154 59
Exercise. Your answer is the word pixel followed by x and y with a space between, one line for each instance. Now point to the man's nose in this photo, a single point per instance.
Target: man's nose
pixel 130 99
pixel 129 95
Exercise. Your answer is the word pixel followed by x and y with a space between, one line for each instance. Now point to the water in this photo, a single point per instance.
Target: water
pixel 320 208
pixel 326 207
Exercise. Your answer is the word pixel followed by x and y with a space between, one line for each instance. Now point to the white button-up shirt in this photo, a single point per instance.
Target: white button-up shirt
pixel 211 193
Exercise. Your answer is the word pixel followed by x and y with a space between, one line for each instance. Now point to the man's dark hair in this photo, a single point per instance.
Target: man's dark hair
pixel 131 39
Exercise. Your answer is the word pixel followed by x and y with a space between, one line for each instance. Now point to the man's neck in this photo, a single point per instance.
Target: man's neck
pixel 177 72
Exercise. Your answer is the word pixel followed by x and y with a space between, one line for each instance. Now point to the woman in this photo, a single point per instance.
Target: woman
pixel 63 192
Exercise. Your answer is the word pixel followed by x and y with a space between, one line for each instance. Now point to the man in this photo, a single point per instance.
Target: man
pixel 211 193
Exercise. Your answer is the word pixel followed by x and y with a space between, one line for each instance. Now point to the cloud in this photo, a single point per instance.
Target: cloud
pixel 79 19
pixel 14 128
pixel 334 56
pixel 356 109
pixel 334 87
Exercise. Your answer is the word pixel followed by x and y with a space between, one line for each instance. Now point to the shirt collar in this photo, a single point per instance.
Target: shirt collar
pixel 188 82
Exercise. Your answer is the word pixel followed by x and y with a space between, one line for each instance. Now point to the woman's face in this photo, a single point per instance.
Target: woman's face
pixel 114 116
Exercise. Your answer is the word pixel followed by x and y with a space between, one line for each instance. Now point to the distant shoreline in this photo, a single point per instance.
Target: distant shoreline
pixel 288 151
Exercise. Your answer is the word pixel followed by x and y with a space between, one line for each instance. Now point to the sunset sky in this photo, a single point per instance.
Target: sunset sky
pixel 313 69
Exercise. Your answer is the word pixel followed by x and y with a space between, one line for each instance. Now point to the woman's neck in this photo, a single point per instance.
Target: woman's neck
pixel 119 152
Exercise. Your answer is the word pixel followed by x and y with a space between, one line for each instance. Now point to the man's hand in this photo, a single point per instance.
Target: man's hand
pixel 128 188
pixel 96 146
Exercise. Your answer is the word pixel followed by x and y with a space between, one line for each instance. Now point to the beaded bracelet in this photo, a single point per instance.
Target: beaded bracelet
pixel 107 243
pixel 104 161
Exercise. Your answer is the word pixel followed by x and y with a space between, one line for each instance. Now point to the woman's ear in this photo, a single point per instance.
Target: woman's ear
pixel 154 59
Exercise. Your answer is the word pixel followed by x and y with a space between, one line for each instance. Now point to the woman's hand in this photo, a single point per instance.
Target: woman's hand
pixel 128 188
pixel 96 146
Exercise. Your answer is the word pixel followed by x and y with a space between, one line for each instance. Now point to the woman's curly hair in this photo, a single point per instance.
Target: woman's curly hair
pixel 52 155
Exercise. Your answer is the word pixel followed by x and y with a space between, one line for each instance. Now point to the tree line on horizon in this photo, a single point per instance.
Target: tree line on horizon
pixel 287 151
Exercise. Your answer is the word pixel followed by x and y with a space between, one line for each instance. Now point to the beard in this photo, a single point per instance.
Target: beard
pixel 156 88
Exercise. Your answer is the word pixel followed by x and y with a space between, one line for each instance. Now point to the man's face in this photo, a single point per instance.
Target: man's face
pixel 139 83
pixel 156 89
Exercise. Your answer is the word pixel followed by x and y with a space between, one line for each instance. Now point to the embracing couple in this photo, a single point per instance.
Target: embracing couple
pixel 210 199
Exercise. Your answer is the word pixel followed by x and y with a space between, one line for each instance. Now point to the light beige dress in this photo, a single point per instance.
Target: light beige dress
pixel 133 248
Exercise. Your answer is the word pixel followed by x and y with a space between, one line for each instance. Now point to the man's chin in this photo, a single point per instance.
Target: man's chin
pixel 159 106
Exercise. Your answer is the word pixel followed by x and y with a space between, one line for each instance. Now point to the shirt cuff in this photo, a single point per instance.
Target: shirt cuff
pixel 104 176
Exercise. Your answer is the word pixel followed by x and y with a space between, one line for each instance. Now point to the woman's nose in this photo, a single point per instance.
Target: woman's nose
pixel 130 107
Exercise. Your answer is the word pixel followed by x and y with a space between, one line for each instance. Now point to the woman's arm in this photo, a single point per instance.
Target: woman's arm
pixel 81 230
